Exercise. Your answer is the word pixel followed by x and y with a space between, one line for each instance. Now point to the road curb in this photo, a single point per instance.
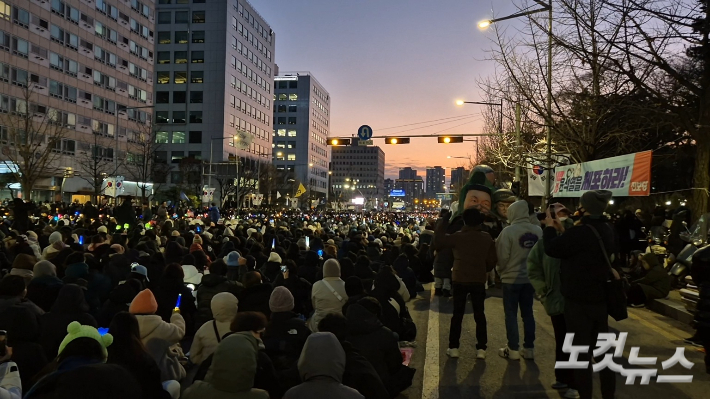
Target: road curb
pixel 674 309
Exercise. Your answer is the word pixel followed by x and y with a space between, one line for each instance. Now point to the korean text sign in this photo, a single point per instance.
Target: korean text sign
pixel 625 176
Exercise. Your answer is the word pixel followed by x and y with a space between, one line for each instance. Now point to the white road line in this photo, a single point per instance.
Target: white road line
pixel 430 385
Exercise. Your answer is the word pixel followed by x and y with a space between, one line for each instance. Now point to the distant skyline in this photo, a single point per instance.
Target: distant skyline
pixel 392 63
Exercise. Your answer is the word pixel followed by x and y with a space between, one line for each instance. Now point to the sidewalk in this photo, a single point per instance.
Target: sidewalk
pixel 673 307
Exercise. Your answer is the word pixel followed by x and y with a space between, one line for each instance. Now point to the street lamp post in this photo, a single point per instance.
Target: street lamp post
pixel 548 133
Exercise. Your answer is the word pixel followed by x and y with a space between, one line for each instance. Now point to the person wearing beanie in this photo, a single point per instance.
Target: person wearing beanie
pixel 154 331
pixel 56 245
pixel 22 266
pixel 33 242
pixel 213 283
pixel 272 267
pixel 102 230
pixel 197 239
pixel 328 295
pixel 44 286
pixel 285 335
pixel 654 285
pixel 584 272
pixel 12 293
pixel 209 335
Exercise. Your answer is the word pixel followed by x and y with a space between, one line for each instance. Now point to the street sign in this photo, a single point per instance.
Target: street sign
pixel 363 143
pixel 397 193
pixel 364 132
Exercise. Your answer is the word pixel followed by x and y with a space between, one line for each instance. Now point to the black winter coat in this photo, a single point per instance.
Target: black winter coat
pixel 361 376
pixel 70 306
pixel 80 378
pixel 145 370
pixel 300 288
pixel 213 284
pixel 256 299
pixel 284 339
pixel 22 336
pixel 43 291
pixel 119 300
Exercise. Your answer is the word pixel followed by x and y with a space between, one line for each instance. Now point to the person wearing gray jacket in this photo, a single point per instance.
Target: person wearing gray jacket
pixel 512 247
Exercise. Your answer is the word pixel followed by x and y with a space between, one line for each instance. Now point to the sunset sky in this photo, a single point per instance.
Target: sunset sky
pixel 392 63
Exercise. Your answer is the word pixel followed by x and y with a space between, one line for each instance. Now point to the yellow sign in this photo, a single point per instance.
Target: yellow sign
pixel 301 190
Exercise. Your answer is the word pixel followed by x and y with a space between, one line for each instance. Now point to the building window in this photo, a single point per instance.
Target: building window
pixel 291 108
pixel 195 137
pixel 293 97
pixel 178 137
pixel 163 57
pixel 281 108
pixel 197 57
pixel 180 57
pixel 196 97
pixel 162 97
pixel 291 157
pixel 164 37
pixel 181 17
pixel 292 120
pixel 283 97
pixel 178 116
pixel 161 138
pixel 195 116
pixel 181 37
pixel 164 17
pixel 195 154
pixel 180 77
pixel 161 117
pixel 291 133
pixel 281 132
pixel 196 76
pixel 198 36
pixel 176 156
pixel 293 84
pixel 178 97
pixel 163 77
pixel 281 120
pixel 198 17
pixel 282 84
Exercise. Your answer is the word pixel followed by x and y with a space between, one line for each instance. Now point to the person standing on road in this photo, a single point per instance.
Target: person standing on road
pixel 513 246
pixel 583 277
pixel 474 256
pixel 544 274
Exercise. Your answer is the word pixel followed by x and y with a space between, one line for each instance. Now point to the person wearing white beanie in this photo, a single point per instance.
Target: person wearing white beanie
pixel 56 244
pixel 328 295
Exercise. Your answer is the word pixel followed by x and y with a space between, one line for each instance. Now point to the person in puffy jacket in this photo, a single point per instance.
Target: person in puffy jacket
pixel 212 284
pixel 210 334
pixel 401 266
pixel 44 286
pixel 328 295
pixel 654 285
pixel 70 306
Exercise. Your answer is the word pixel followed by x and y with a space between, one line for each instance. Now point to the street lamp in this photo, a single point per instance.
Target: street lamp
pixel 544 7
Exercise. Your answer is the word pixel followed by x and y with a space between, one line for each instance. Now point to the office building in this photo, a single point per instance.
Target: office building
pixel 301 122
pixel 435 181
pixel 84 67
pixel 407 173
pixel 413 189
pixel 214 78
pixel 363 165
pixel 459 177
pixel 389 186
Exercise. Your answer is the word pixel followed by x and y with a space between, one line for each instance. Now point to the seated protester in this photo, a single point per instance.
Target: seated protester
pixel 300 288
pixel 272 268
pixel 128 351
pixel 12 293
pixel 98 246
pixel 285 335
pixel 118 268
pixel 44 286
pixel 406 274
pixel 236 266
pixel 119 300
pixel 355 291
pixel 209 335
pixel 328 295
pixel 23 336
pixel 232 373
pixel 654 285
pixel 359 373
pixel 364 272
pixel 69 307
pixel 378 345
pixel 79 371
pixel 22 266
pixel 309 270
pixel 160 338
pixel 56 245
pixel 212 284
pixel 256 294
pixel 322 365
pixel 171 285
pixel 393 307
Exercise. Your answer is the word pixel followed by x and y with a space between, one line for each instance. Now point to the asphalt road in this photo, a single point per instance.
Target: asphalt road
pixel 441 377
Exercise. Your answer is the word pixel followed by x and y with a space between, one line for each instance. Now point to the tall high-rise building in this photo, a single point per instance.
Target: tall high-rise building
pixel 389 186
pixel 459 176
pixel 413 189
pixel 214 79
pixel 435 181
pixel 301 126
pixel 86 70
pixel 407 173
pixel 364 165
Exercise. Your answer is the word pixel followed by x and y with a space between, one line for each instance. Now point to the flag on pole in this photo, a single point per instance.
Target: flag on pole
pixel 184 196
pixel 301 190
pixel 278 195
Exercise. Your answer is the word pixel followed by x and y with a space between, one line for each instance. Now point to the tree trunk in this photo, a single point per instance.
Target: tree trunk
pixel 26 188
pixel 701 178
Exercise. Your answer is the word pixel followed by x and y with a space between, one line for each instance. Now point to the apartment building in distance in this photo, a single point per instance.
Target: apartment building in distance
pixel 435 181
pixel 358 171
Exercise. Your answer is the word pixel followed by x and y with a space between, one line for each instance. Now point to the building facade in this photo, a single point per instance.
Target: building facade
pixel 301 121
pixel 435 181
pixel 214 79
pixel 407 173
pixel 360 166
pixel 459 176
pixel 389 186
pixel 413 189
pixel 84 69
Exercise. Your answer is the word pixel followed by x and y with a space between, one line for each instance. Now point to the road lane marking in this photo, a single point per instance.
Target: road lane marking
pixel 430 385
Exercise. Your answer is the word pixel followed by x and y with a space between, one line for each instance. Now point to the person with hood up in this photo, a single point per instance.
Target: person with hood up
pixel 654 285
pixel 327 295
pixel 321 366
pixel 256 294
pixel 355 291
pixel 22 336
pixel 406 274
pixel 33 242
pixel 513 247
pixel 232 373
pixel 209 335
pixel 22 266
pixel 171 286
pixel 309 270
pixel 44 286
pixel 378 345
pixel 394 308
pixel 300 288
pixel 272 268
pixel 56 245
pixel 159 337
pixel 119 300
pixel 70 306
pixel 212 284
pixel 12 293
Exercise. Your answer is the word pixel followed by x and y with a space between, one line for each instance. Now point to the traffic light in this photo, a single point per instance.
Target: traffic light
pixel 397 140
pixel 338 142
pixel 450 139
